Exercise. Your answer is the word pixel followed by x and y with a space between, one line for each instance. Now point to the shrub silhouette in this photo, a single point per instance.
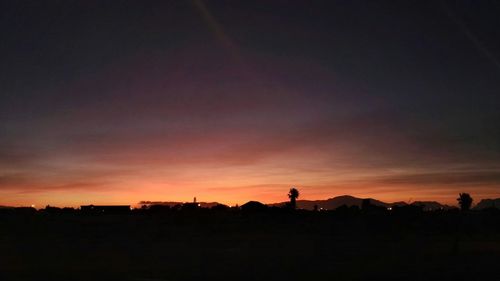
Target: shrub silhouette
pixel 465 201
pixel 293 194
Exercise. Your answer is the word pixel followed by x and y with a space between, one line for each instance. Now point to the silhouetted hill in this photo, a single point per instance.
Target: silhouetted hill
pixel 488 203
pixel 431 205
pixel 253 206
pixel 334 203
pixel 6 207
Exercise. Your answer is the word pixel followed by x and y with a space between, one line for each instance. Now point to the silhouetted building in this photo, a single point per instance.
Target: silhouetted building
pixel 157 208
pixel 191 206
pixel 21 210
pixel 105 209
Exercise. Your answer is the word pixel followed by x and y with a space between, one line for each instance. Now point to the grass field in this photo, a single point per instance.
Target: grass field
pixel 262 246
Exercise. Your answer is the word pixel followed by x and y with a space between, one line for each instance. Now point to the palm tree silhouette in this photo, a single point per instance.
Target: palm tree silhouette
pixel 293 194
pixel 465 201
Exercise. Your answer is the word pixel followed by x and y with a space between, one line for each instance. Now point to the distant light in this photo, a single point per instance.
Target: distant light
pixel 389 209
pixel 33 206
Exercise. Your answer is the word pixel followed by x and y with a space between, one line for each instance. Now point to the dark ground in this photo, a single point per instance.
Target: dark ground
pixel 208 245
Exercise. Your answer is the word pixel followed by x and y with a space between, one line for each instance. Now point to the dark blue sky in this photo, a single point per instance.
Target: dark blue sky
pixel 119 101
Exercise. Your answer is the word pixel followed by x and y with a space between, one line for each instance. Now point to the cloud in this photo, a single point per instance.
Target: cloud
pixel 13 181
pixel 60 178
pixel 163 124
pixel 449 178
pixel 17 155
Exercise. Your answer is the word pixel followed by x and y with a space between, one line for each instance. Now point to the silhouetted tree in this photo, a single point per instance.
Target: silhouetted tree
pixel 293 194
pixel 220 207
pixel 465 201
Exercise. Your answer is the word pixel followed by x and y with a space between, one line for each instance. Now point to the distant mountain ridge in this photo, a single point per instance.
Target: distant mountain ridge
pixel 431 205
pixel 348 200
pixel 488 203
pixel 332 203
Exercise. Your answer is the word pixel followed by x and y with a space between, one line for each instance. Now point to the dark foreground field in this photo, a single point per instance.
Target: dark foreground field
pixel 210 245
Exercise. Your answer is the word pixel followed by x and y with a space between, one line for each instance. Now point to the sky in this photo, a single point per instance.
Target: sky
pixel 116 102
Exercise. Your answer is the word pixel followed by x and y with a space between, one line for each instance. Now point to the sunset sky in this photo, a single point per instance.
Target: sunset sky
pixel 115 102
